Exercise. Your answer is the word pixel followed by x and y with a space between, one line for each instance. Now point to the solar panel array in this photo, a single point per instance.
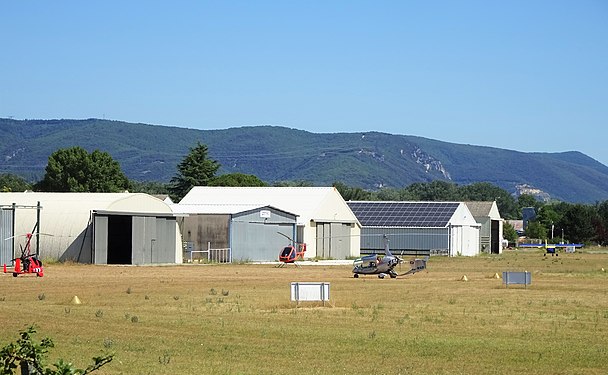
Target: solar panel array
pixel 403 214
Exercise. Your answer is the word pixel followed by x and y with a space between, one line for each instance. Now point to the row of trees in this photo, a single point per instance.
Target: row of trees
pixel 76 170
pixel 577 223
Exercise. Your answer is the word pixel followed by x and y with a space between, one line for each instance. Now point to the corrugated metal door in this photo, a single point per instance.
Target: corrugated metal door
pixel 144 240
pixel 100 233
pixel 258 241
pixel 323 236
pixel 256 235
pixel 333 240
pixel 165 247
pixel 6 235
pixel 340 240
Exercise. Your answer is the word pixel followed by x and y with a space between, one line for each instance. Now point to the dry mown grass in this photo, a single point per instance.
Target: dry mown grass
pixel 237 319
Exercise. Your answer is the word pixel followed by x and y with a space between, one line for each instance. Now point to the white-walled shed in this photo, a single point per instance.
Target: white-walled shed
pixel 491 234
pixel 115 228
pixel 324 221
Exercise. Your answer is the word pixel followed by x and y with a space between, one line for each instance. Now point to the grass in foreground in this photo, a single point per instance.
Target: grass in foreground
pixel 238 319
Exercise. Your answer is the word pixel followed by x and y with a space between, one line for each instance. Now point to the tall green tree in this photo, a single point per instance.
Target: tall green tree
pixel 485 191
pixel 389 194
pixel 602 224
pixel 352 193
pixel 578 223
pixel 10 182
pixel 294 183
pixel 196 169
pixel 535 229
pixel 75 170
pixel 237 179
pixel 528 200
pixel 149 187
pixel 509 233
pixel 548 217
pixel 433 191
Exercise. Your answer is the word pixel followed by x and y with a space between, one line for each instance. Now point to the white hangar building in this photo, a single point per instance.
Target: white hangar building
pixel 417 227
pixel 319 217
pixel 101 228
pixel 491 233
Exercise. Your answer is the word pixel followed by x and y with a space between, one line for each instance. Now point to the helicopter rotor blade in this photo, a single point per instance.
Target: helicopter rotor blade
pixel 286 236
pixel 31 234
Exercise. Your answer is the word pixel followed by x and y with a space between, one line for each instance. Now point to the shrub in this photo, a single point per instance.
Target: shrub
pixel 30 356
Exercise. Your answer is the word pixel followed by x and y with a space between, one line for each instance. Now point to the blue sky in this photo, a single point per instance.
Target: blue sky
pixel 522 75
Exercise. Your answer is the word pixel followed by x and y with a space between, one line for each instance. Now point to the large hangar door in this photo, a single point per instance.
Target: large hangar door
pixel 256 234
pixel 259 242
pixel 333 240
pixel 128 239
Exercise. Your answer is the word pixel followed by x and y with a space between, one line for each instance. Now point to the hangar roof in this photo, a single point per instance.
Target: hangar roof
pixel 309 203
pixel 483 209
pixel 218 209
pixel 66 203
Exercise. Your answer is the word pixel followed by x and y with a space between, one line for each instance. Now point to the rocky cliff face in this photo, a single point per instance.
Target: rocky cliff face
pixel 428 162
pixel 539 194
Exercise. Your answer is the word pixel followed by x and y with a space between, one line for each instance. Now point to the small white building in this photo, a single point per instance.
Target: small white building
pixel 102 228
pixel 491 233
pixel 324 221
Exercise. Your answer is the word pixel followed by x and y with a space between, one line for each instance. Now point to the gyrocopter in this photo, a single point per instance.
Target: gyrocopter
pixel 27 262
pixel 385 265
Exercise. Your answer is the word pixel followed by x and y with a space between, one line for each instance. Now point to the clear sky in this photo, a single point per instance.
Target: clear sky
pixel 528 75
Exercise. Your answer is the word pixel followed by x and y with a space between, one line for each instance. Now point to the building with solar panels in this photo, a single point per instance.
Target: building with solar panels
pixel 417 228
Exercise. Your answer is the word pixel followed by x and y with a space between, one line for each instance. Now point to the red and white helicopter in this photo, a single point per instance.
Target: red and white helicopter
pixel 292 252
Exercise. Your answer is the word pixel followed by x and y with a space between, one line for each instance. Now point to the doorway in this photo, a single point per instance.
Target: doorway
pixel 495 237
pixel 120 230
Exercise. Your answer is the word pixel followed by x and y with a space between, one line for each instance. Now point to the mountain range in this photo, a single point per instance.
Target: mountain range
pixel 369 160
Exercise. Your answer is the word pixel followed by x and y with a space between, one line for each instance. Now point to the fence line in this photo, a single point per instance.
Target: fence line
pixel 220 255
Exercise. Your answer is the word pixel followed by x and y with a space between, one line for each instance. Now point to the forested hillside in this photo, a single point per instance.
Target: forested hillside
pixel 369 160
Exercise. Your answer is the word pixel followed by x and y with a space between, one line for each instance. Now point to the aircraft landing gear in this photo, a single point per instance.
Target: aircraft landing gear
pixel 381 276
pixel 356 276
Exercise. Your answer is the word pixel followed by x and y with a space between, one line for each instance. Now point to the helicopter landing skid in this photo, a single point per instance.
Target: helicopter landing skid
pixel 281 265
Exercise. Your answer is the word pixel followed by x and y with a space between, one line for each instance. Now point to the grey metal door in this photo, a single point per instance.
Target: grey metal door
pixel 6 235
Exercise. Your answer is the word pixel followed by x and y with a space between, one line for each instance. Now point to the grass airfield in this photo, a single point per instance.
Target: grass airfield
pixel 238 318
